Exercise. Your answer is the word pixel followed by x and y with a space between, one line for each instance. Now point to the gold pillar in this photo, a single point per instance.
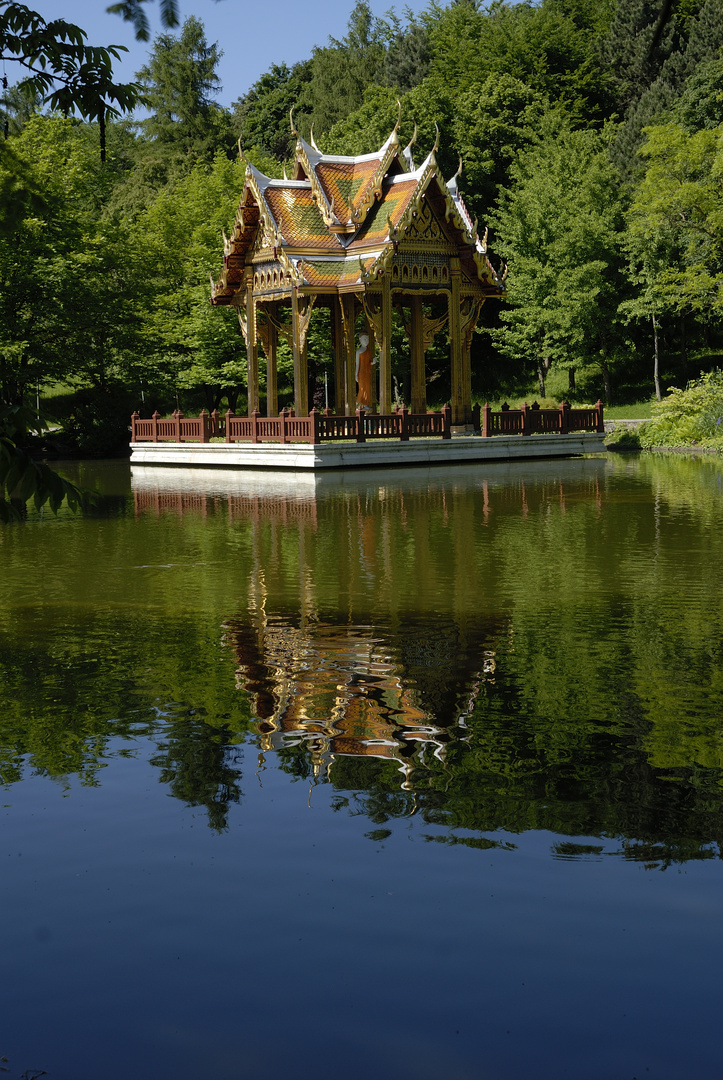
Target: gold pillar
pixel 348 314
pixel 375 370
pixel 461 396
pixel 337 329
pixel 419 376
pixel 301 375
pixel 252 350
pixel 272 394
pixel 385 348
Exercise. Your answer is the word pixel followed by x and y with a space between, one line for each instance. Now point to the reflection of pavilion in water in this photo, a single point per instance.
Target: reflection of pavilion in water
pixel 345 690
pixel 390 678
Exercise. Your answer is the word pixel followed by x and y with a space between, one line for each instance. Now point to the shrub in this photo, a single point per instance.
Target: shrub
pixel 690 417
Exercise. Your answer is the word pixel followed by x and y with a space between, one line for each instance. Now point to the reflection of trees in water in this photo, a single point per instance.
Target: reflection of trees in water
pixel 516 656
pixel 200 766
pixel 484 739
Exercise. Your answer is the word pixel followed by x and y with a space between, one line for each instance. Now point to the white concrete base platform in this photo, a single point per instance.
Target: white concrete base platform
pixel 372 455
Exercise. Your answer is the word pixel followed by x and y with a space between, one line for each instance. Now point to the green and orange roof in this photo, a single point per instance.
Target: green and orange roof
pixel 331 224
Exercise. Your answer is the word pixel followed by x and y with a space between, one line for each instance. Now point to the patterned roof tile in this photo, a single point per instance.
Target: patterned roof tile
pixel 333 272
pixel 393 204
pixel 346 183
pixel 296 212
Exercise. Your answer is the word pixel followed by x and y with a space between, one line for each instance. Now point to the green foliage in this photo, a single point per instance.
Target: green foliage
pixel 179 83
pixel 690 417
pixel 71 290
pixel 180 235
pixel 343 69
pixel 22 478
pixel 623 437
pixel 132 11
pixel 68 74
pixel 559 227
pixel 261 116
pixel 676 219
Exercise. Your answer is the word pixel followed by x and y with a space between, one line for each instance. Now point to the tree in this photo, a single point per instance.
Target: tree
pixel 180 233
pixel 261 116
pixel 179 83
pixel 70 75
pixel 35 301
pixel 679 203
pixel 343 69
pixel 559 226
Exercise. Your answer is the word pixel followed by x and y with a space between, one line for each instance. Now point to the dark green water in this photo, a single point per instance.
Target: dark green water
pixel 413 774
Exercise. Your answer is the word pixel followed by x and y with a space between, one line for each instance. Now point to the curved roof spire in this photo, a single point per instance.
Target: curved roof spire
pixel 452 184
pixel 407 152
pixel 291 121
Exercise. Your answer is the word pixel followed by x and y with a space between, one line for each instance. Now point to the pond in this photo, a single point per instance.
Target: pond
pixel 409 774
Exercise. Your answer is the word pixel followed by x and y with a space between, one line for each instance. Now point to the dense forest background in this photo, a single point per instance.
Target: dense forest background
pixel 592 142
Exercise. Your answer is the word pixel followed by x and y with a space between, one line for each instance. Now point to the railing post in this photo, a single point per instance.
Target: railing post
pixel 447 421
pixel 282 425
pixel 600 421
pixel 215 423
pixel 134 416
pixel 254 425
pixel 178 416
pixel 204 425
pixel 155 418
pixel 476 409
pixel 525 410
pixel 360 435
pixel 229 417
pixel 314 425
pixel 564 417
pixel 486 420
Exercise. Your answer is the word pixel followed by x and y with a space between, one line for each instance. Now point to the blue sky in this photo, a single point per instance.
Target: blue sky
pixel 253 34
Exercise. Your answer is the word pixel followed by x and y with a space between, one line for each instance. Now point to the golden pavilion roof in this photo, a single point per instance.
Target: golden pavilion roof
pixel 336 225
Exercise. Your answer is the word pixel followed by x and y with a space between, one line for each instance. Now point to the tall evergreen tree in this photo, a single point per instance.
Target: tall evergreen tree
pixel 179 84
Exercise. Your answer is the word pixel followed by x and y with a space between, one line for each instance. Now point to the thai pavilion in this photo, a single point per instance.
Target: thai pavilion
pixel 359 235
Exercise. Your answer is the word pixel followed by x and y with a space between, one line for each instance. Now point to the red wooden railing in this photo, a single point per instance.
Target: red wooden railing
pixel 325 426
pixel 532 420
pixel 175 428
pixel 315 428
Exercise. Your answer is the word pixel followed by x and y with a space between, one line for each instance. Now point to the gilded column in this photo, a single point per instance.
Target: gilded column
pixel 461 402
pixel 252 350
pixel 272 395
pixel 301 375
pixel 416 336
pixel 348 314
pixel 337 330
pixel 385 348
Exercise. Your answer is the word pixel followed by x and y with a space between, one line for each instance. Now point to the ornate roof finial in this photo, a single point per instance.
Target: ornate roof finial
pixel 311 139
pixel 399 115
pixel 291 121
pixel 452 183
pixel 285 176
pixel 435 148
pixel 240 152
pixel 407 152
